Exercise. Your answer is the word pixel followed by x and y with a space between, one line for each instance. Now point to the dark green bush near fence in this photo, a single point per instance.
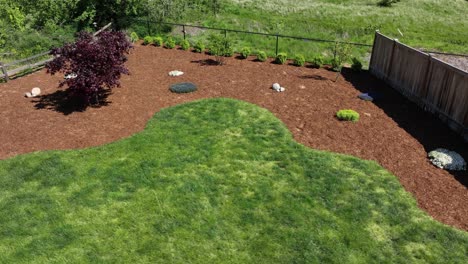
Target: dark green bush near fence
pixel 317 62
pixel 199 47
pixel 357 65
pixel 281 58
pixel 261 55
pixel 185 44
pixel 245 52
pixel 299 60
pixel 170 43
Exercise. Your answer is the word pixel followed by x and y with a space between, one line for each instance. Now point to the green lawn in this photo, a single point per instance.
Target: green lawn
pixel 213 181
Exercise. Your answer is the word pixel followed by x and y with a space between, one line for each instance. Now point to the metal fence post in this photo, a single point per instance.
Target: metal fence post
pixel 225 33
pixel 277 40
pixel 5 72
pixel 183 30
pixel 148 26
pixel 334 51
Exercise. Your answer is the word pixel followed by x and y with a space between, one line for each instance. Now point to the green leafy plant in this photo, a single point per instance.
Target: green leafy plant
pixel 170 43
pixel 185 44
pixel 147 40
pixel 261 55
pixel 357 65
pixel 317 62
pixel 245 52
pixel 158 41
pixel 299 60
pixel 134 37
pixel 220 47
pixel 347 115
pixel 281 58
pixel 199 47
pixel 185 87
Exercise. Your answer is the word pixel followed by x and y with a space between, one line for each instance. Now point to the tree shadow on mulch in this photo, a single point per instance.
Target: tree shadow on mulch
pixel 206 62
pixel 424 126
pixel 63 102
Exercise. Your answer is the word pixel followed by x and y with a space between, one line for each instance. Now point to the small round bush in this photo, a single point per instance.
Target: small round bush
pixel 299 60
pixel 147 40
pixel 245 52
pixel 170 43
pixel 185 87
pixel 134 37
pixel 261 56
pixel 281 58
pixel 185 45
pixel 317 62
pixel 199 47
pixel 357 65
pixel 158 41
pixel 347 115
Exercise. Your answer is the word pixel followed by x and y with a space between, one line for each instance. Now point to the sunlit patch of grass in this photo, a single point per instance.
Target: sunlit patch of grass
pixel 212 181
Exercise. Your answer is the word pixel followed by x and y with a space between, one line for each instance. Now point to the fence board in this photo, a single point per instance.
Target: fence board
pixel 433 84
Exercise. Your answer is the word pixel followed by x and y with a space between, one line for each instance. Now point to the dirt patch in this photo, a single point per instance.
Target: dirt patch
pixel 392 131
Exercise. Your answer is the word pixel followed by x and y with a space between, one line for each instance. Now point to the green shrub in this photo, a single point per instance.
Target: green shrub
pixel 336 64
pixel 220 47
pixel 134 37
pixel 199 47
pixel 347 115
pixel 317 62
pixel 245 52
pixel 281 58
pixel 261 55
pixel 158 41
pixel 357 65
pixel 299 60
pixel 185 87
pixel 170 43
pixel 185 44
pixel 147 40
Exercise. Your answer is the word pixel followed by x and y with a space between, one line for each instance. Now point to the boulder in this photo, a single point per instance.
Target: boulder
pixel 276 86
pixel 35 91
pixel 446 159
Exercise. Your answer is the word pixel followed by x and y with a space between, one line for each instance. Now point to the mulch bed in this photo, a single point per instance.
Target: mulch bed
pixel 392 131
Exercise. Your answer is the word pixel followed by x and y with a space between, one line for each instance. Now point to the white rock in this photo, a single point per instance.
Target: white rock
pixel 28 94
pixel 276 87
pixel 70 76
pixel 175 73
pixel 282 89
pixel 446 159
pixel 35 91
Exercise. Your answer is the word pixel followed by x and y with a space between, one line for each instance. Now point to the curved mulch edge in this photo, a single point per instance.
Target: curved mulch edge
pixel 392 131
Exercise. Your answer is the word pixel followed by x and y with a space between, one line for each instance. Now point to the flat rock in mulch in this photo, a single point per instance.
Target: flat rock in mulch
pixel 175 73
pixel 446 159
pixel 184 87
pixel 370 96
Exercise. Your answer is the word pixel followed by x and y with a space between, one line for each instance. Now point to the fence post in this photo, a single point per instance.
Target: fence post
pixel 5 72
pixel 334 51
pixel 183 30
pixel 389 70
pixel 148 26
pixel 277 39
pixel 373 49
pixel 225 33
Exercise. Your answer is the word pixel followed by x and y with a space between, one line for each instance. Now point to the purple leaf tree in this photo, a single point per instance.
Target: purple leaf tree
pixel 95 63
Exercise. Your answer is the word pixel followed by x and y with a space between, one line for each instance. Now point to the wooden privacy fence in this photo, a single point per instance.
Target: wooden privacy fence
pixel 32 63
pixel 431 83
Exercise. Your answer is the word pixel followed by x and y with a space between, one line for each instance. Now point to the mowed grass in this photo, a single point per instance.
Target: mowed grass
pixel 212 181
pixel 430 24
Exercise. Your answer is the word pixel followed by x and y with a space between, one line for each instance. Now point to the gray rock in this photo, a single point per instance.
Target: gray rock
pixel 446 159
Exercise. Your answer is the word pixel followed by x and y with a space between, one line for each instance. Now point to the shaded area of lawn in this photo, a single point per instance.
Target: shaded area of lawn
pixel 213 181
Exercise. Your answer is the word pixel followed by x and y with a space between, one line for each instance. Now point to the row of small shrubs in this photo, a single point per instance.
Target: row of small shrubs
pixel 222 47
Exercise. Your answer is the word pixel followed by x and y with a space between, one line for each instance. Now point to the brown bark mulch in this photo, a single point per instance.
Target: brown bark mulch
pixel 392 131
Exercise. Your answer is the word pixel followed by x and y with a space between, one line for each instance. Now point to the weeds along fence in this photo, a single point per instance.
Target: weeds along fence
pixel 23 66
pixel 429 82
pixel 272 44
